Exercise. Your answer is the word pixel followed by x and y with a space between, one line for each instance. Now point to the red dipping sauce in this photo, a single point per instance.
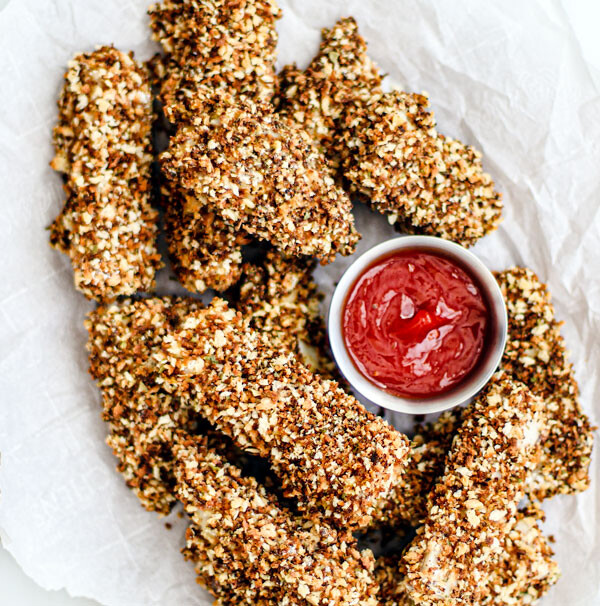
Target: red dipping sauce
pixel 415 323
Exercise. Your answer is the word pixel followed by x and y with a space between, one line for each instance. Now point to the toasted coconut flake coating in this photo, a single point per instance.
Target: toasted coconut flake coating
pixel 424 182
pixel 407 501
pixel 536 355
pixel 204 250
pixel 263 175
pixel 329 452
pixel 474 504
pixel 248 549
pixel 142 416
pixel 228 44
pixel 279 299
pixel 339 76
pixel 103 144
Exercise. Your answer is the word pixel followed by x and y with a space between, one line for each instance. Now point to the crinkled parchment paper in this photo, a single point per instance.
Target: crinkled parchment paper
pixel 512 78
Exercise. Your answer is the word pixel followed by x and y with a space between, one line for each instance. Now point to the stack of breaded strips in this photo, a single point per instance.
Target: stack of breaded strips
pixel 103 146
pixel 192 393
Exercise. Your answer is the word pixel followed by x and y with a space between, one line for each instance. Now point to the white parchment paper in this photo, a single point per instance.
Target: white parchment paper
pixel 520 80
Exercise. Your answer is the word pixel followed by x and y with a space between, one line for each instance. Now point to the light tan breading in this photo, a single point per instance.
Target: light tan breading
pixel 536 355
pixel 330 453
pixel 227 44
pixel 142 416
pixel 262 175
pixel 103 145
pixel 279 299
pixel 407 501
pixel 340 75
pixel 425 182
pixel 248 549
pixel 521 574
pixel 205 252
pixel 474 503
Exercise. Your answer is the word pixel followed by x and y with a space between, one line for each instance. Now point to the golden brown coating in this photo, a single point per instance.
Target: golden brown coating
pixel 330 453
pixel 425 182
pixel 262 175
pixel 248 549
pixel 279 299
pixel 340 75
pixel 536 355
pixel 103 145
pixel 407 501
pixel 142 416
pixel 473 505
pixel 227 44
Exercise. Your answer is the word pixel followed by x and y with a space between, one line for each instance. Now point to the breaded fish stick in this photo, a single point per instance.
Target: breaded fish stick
pixel 263 175
pixel 329 452
pixel 474 503
pixel 103 145
pixel 536 355
pixel 249 550
pixel 340 75
pixel 142 416
pixel 425 182
pixel 521 574
pixel 279 299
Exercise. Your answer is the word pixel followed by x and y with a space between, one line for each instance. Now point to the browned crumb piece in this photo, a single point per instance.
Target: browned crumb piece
pixel 205 252
pixel 248 549
pixel 227 44
pixel 340 75
pixel 521 574
pixel 262 175
pixel 424 182
pixel 330 453
pixel 407 502
pixel 536 355
pixel 142 416
pixel 103 144
pixel 279 299
pixel 474 503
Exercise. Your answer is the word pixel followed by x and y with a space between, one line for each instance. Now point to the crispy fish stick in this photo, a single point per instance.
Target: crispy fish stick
pixel 228 44
pixel 103 145
pixel 279 298
pixel 474 503
pixel 425 182
pixel 407 501
pixel 340 75
pixel 329 452
pixel 142 416
pixel 250 550
pixel 536 355
pixel 521 574
pixel 263 175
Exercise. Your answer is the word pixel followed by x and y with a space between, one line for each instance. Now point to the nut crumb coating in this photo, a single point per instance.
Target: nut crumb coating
pixel 205 252
pixel 248 549
pixel 262 175
pixel 426 183
pixel 279 299
pixel 142 417
pixel 330 453
pixel 103 145
pixel 474 503
pixel 340 75
pixel 536 355
pixel 407 501
pixel 228 44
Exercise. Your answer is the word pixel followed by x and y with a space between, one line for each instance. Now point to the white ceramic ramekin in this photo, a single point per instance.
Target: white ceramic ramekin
pixel 491 356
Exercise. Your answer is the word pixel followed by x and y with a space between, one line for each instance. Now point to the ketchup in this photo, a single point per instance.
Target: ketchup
pixel 415 323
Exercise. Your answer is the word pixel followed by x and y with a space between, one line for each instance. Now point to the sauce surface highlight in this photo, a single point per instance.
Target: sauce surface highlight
pixel 415 323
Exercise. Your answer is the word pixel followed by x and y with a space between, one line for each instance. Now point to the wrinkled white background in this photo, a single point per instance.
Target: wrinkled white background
pixel 513 78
